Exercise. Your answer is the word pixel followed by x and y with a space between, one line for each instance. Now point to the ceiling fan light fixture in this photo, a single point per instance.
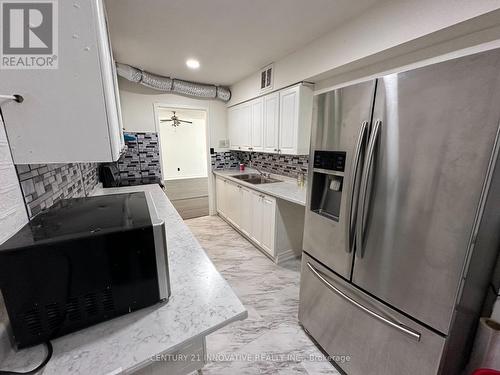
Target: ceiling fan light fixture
pixel 175 120
pixel 192 64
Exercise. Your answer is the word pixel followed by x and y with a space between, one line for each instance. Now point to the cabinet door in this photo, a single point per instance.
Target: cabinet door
pixel 232 125
pixel 257 124
pixel 69 114
pixel 245 126
pixel 289 120
pixel 220 195
pixel 229 201
pixel 256 216
pixel 268 207
pixel 271 122
pixel 234 207
pixel 245 200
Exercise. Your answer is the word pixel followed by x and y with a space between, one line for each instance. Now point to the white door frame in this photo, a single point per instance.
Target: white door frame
pixel 211 180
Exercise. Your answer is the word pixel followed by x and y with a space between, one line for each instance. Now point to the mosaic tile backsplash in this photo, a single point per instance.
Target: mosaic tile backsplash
pixel 140 164
pixel 45 184
pixel 287 165
pixel 224 160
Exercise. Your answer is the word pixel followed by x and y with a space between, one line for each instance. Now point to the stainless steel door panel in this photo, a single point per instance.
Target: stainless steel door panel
pixel 350 323
pixel 338 118
pixel 436 137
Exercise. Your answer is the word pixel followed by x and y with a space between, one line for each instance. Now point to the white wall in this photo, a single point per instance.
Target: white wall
pixel 138 115
pixel 387 25
pixel 13 214
pixel 184 147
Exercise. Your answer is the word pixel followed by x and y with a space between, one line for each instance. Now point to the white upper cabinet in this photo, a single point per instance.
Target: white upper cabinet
pixel 271 122
pixel 279 122
pixel 289 118
pixel 70 113
pixel 295 120
pixel 257 125
pixel 240 127
pixel 232 120
pixel 245 126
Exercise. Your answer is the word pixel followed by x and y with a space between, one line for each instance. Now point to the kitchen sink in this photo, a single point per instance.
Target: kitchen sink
pixel 246 176
pixel 255 179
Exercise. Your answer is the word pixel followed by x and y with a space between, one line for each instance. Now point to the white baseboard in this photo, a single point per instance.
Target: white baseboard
pixel 282 256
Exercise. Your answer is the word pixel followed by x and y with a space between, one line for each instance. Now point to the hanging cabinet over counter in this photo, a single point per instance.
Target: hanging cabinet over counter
pixel 70 113
pixel 279 122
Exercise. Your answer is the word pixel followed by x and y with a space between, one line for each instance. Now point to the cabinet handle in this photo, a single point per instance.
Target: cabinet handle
pixel 276 149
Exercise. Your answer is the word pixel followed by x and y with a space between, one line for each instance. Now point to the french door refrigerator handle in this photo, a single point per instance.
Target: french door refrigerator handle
pixel 352 182
pixel 363 189
pixel 399 326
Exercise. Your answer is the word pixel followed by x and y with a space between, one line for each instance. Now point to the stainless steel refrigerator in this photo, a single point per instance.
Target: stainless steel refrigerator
pixel 403 217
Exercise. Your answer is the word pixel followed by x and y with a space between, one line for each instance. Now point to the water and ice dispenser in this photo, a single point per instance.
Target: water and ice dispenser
pixel 327 183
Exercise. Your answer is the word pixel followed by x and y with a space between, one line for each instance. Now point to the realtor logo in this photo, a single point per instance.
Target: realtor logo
pixel 29 34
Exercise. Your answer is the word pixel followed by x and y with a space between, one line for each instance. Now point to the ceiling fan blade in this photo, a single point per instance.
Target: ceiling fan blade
pixel 187 122
pixel 165 120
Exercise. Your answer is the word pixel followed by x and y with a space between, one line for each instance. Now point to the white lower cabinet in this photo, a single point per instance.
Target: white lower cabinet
pixel 220 191
pixel 245 220
pixel 188 358
pixel 273 225
pixel 233 211
pixel 256 217
pixel 268 211
pixel 262 217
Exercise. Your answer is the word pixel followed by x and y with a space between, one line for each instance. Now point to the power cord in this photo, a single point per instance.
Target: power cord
pixel 35 370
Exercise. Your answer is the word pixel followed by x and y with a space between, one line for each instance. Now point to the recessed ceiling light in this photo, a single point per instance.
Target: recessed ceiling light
pixel 192 64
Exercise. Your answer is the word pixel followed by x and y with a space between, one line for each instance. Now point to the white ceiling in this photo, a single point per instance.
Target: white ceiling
pixel 230 38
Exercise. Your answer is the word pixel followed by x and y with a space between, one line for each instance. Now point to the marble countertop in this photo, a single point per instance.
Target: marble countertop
pixel 287 189
pixel 201 303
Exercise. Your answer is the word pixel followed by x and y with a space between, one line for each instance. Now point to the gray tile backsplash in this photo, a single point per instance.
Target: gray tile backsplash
pixel 140 163
pixel 287 165
pixel 224 160
pixel 45 184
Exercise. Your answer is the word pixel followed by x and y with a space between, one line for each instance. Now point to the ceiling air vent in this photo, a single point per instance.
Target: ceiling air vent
pixel 266 78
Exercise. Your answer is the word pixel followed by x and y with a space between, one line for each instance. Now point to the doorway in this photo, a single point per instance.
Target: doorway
pixel 184 159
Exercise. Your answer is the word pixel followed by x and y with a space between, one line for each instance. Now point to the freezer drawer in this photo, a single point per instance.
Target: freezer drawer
pixel 376 339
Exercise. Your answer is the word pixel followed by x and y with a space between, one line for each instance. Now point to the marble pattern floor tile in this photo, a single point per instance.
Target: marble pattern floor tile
pixel 270 340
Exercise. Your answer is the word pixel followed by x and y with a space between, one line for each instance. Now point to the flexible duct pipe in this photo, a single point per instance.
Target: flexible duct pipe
pixel 178 86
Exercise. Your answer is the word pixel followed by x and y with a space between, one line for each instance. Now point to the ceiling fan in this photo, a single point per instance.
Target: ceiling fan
pixel 176 121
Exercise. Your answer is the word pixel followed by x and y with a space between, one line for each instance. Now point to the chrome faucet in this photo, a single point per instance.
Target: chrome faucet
pixel 263 174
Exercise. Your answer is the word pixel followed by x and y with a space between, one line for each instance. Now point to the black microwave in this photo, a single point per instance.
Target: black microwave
pixel 83 261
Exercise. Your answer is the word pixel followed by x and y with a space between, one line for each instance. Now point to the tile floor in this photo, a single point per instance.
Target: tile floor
pixel 270 340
